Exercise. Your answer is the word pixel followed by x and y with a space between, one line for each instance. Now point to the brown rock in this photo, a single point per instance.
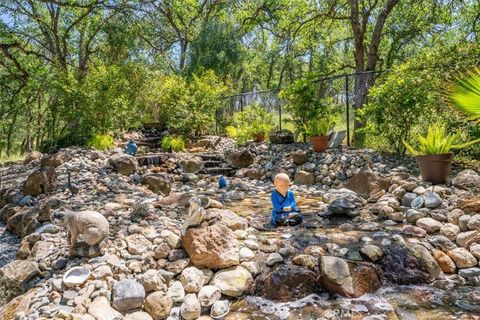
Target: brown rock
pixel 299 157
pixel 366 183
pixel 348 279
pixel 55 159
pixel 23 222
pixel 240 159
pixel 255 173
pixel 123 163
pixel 467 180
pixel 471 205
pixel 305 178
pixel 34 155
pixel 42 180
pixel 287 283
pixel 213 247
pixel 444 261
pixel 16 275
pixel 157 182
pixel 462 258
pixel 226 217
pixel 158 305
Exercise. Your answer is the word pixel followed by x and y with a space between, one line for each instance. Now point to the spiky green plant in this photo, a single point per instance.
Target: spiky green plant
pixel 437 141
pixel 315 128
pixel 465 95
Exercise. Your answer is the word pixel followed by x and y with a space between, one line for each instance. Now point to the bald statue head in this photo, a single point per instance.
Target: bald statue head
pixel 281 183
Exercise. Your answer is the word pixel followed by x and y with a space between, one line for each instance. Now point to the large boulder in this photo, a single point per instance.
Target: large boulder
pixel 213 247
pixel 467 180
pixel 157 182
pixel 348 279
pixel 240 159
pixel 282 137
pixel 54 159
pixel 32 156
pixel 233 282
pixel 127 294
pixel 226 217
pixel 287 283
pixel 367 184
pixel 400 266
pixel 42 180
pixel 123 163
pixel 15 277
pixel 191 165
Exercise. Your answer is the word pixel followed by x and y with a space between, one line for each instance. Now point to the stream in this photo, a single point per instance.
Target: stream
pixel 406 302
pixel 9 244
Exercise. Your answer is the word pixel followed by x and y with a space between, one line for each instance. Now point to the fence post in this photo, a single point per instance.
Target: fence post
pixel 348 109
pixel 280 116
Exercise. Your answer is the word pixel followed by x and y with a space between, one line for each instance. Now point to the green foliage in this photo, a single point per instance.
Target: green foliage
pixel 186 106
pixel 438 141
pixel 318 127
pixel 252 121
pixel 466 95
pixel 101 142
pixel 411 97
pixel 303 104
pixel 170 143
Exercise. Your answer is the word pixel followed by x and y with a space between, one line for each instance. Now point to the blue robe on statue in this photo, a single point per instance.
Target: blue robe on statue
pixel 281 217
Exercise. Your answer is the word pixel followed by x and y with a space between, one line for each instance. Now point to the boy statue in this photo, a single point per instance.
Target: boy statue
pixel 285 211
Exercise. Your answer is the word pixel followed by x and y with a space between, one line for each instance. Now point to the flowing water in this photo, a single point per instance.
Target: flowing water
pixel 389 302
pixel 9 244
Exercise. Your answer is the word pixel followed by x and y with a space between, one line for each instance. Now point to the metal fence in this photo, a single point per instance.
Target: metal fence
pixel 339 90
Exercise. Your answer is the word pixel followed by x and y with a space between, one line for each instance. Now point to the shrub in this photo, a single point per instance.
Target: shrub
pixel 304 103
pixel 100 141
pixel 411 97
pixel 170 143
pixel 253 120
pixel 187 105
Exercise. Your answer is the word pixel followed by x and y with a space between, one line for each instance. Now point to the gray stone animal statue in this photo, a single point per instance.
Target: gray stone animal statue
pixel 92 225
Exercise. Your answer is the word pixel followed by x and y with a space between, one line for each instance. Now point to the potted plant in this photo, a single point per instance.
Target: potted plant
pixel 318 131
pixel 434 153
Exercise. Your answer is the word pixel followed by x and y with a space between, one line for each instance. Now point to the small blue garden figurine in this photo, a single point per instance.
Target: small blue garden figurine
pixel 222 182
pixel 131 148
pixel 285 211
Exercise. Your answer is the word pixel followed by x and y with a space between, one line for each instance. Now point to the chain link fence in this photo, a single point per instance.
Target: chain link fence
pixel 339 90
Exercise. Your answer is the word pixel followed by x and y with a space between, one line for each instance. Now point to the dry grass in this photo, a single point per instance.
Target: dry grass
pixel 13 158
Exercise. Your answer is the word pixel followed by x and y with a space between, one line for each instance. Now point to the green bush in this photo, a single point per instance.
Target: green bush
pixel 101 141
pixel 410 98
pixel 253 120
pixel 304 103
pixel 187 105
pixel 170 143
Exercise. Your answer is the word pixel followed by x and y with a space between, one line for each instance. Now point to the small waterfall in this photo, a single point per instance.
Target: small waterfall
pixel 9 244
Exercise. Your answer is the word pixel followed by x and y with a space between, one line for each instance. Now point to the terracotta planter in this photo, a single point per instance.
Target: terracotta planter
pixel 319 143
pixel 259 137
pixel 435 168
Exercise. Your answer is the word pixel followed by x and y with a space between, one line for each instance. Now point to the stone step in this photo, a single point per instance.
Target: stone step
pixel 212 163
pixel 225 171
pixel 150 160
pixel 212 157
